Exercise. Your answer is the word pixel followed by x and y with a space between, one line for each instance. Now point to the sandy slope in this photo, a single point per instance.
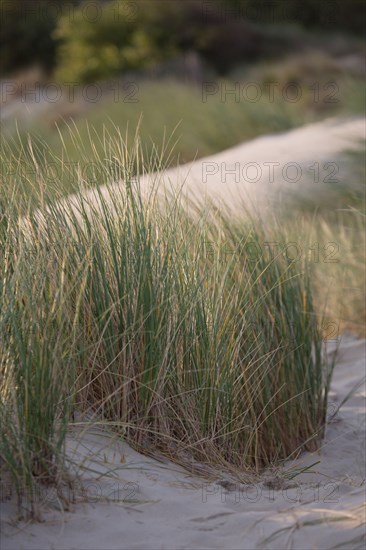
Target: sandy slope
pixel 157 505
pixel 257 172
pixel 162 507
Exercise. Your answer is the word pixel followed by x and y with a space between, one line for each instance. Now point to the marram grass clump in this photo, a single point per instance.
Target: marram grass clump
pixel 159 320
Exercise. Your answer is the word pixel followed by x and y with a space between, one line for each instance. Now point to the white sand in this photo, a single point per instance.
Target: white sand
pixel 163 507
pixel 257 172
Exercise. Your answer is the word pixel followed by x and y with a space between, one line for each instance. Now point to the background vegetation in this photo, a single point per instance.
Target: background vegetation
pixel 91 43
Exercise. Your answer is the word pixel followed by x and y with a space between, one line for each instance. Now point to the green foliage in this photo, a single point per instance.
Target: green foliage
pixel 117 41
pixel 129 36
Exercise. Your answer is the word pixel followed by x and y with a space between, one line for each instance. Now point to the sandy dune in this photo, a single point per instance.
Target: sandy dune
pixel 149 504
pixel 256 173
pixel 156 505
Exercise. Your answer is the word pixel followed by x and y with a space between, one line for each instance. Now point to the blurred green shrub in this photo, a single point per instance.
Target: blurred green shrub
pixel 134 35
pixel 95 50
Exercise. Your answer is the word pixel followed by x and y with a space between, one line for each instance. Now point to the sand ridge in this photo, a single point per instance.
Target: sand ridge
pixel 255 172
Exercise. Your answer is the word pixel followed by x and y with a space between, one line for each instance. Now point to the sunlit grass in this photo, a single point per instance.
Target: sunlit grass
pixel 329 223
pixel 130 308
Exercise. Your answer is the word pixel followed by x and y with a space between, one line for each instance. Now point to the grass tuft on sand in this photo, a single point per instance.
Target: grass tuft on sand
pixel 157 319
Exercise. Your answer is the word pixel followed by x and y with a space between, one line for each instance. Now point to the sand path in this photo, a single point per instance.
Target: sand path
pixel 258 172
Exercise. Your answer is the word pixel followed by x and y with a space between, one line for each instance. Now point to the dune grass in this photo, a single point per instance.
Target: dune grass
pixel 339 273
pixel 159 321
pixel 330 222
